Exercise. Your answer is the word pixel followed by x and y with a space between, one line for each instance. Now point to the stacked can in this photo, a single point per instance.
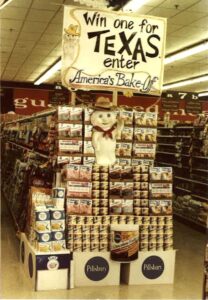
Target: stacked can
pixel 88 238
pixel 141 187
pixel 100 178
pixel 157 235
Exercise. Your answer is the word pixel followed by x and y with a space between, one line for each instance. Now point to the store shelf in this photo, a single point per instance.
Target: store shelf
pixel 182 189
pixel 200 157
pixel 174 136
pixel 168 153
pixel 200 197
pixel 168 164
pixel 164 144
pixel 160 127
pixel 183 127
pixel 199 226
pixel 45 113
pixel 29 149
pixel 191 180
pixel 200 170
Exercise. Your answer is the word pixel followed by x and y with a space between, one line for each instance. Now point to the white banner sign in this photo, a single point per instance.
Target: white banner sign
pixel 109 50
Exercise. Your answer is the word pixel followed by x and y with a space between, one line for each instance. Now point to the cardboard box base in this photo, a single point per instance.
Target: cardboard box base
pixel 95 269
pixel 46 271
pixel 152 267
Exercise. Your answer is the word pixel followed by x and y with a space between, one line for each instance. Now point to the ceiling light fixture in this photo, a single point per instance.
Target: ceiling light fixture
pixel 4 3
pixel 203 46
pixel 134 5
pixel 202 94
pixel 56 67
pixel 186 82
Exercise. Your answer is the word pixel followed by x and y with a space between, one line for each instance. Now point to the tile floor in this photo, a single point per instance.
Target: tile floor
pixel 188 273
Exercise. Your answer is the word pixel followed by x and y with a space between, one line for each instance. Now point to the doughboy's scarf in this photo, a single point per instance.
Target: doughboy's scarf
pixel 106 133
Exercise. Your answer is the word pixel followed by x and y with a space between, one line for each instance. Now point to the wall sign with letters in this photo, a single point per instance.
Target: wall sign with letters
pixel 110 50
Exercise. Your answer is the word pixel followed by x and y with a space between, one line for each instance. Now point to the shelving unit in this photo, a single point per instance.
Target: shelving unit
pixel 180 147
pixel 18 140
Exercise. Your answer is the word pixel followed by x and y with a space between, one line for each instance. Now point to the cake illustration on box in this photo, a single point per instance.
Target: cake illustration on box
pixel 107 128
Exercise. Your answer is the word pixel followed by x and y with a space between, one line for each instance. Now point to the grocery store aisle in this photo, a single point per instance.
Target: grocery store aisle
pixel 188 275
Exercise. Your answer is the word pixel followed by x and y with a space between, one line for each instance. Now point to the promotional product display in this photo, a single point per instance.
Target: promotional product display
pixel 73 202
pixel 104 174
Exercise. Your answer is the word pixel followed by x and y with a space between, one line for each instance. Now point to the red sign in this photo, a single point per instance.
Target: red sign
pixel 28 101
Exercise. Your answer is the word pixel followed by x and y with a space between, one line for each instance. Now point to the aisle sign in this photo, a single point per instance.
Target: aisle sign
pixel 180 95
pixel 193 107
pixel 59 96
pixel 110 50
pixel 169 104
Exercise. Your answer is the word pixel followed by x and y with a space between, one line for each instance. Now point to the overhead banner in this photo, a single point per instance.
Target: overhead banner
pixel 106 50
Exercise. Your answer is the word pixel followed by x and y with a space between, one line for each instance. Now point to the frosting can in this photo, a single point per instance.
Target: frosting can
pixel 124 244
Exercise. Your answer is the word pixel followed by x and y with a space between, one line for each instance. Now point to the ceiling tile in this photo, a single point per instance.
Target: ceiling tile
pixel 11 23
pixel 188 31
pixel 201 6
pixel 163 12
pixel 7 42
pixel 4 59
pixel 39 15
pixel 47 4
pixel 5 47
pixel 174 43
pixel 27 44
pixel 58 19
pixel 54 29
pixel 21 50
pixel 27 36
pixel 32 27
pixel 173 27
pixel 41 50
pixel 181 4
pixel 154 2
pixel 9 34
pixel 17 60
pixel 186 18
pixel 53 38
pixel 203 23
pixel 20 3
pixel 145 9
pixel 13 13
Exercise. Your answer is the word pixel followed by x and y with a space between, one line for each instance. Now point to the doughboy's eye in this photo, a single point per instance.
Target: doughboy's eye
pixel 108 115
pixel 100 116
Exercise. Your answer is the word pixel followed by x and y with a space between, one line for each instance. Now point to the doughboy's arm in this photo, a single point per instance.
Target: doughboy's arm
pixel 120 126
pixel 95 141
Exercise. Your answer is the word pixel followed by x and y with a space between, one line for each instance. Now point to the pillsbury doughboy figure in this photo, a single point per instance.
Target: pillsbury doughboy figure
pixel 106 129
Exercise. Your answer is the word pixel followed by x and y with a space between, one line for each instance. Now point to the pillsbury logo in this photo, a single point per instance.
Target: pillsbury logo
pixel 96 268
pixel 153 267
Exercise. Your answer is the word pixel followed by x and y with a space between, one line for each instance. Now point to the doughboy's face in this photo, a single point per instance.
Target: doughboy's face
pixel 103 119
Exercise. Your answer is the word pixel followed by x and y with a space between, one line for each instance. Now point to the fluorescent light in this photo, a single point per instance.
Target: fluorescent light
pixel 188 52
pixel 186 82
pixel 48 73
pixel 134 5
pixel 4 3
pixel 202 94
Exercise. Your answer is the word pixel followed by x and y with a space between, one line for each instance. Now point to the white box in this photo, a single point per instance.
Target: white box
pixel 95 269
pixel 152 267
pixel 46 271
